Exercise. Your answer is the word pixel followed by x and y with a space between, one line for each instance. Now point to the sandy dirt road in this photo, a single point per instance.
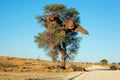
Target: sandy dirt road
pixel 99 73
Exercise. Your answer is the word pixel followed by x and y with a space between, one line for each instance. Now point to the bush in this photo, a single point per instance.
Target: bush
pixel 118 63
pixel 59 67
pixel 104 62
pixel 6 64
pixel 10 58
pixel 113 67
pixel 75 68
pixel 114 63
pixel 27 63
pixel 51 67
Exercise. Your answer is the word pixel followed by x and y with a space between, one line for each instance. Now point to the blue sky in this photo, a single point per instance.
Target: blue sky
pixel 101 18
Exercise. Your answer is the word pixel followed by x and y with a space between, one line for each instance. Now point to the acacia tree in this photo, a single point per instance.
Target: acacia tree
pixel 60 36
pixel 104 61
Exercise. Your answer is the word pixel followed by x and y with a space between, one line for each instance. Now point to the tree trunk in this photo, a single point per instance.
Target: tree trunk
pixel 63 62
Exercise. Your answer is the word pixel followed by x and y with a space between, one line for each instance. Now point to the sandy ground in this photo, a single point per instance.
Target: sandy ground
pixel 39 76
pixel 99 73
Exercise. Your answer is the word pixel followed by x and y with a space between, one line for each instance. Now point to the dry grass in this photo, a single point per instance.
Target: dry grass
pixel 9 64
pixel 13 64
pixel 12 68
pixel 117 65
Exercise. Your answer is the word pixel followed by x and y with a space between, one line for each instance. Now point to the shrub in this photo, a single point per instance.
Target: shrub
pixel 59 67
pixel 81 69
pixel 10 58
pixel 51 67
pixel 35 79
pixel 27 63
pixel 114 63
pixel 6 64
pixel 113 67
pixel 104 62
pixel 74 67
pixel 118 63
pixel 27 67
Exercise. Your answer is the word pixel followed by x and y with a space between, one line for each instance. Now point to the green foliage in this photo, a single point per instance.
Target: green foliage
pixel 47 37
pixel 114 63
pixel 52 38
pixel 72 13
pixel 40 18
pixel 104 61
pixel 53 54
pixel 72 45
pixel 61 10
pixel 55 8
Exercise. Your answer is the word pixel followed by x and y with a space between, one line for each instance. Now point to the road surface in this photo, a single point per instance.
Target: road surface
pixel 99 73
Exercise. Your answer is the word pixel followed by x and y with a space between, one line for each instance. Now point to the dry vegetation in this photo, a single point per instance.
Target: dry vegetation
pixel 112 66
pixel 12 68
pixel 13 64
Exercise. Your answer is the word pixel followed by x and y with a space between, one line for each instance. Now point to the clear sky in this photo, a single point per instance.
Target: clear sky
pixel 101 18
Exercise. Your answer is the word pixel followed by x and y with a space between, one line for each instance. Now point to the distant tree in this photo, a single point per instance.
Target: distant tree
pixel 104 62
pixel 60 36
pixel 118 63
pixel 114 63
